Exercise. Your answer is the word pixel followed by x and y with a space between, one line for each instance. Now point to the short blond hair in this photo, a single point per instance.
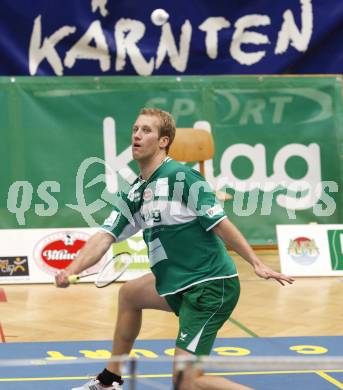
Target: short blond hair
pixel 167 123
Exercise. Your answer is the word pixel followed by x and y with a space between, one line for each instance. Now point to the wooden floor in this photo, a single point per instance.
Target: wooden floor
pixel 309 307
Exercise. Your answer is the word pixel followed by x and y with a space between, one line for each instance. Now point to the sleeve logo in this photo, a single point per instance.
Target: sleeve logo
pixel 215 210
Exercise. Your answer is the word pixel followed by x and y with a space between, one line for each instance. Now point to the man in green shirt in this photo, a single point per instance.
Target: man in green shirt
pixel 185 229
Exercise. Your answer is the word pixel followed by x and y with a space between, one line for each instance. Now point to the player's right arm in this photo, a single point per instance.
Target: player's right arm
pixel 94 249
pixel 120 224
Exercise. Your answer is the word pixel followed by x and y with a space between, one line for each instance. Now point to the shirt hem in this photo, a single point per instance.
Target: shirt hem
pixel 200 281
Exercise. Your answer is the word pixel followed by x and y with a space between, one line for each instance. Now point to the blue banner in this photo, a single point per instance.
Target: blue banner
pixel 119 37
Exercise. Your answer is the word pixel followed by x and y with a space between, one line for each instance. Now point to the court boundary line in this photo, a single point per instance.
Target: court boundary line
pixel 330 379
pixel 243 327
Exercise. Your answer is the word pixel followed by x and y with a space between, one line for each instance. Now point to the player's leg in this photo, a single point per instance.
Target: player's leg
pixel 134 296
pixel 204 309
pixel 193 378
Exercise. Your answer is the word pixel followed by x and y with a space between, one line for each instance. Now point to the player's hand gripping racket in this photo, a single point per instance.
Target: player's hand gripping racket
pixel 112 270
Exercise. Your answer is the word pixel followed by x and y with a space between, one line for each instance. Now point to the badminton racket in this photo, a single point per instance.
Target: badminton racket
pixel 111 271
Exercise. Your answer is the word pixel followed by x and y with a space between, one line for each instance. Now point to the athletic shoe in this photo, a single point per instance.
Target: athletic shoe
pixel 94 384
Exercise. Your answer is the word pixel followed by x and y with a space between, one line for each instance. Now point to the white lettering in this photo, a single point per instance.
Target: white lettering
pixel 178 193
pixel 17 190
pixel 127 33
pixel 101 5
pixel 290 34
pixel 167 46
pixel 253 108
pixel 308 183
pixel 48 198
pixel 115 163
pixel 193 197
pixel 256 154
pixel 212 26
pixel 61 254
pixel 245 203
pixel 280 102
pixel 39 52
pixel 183 107
pixel 240 36
pixel 83 50
pixel 326 205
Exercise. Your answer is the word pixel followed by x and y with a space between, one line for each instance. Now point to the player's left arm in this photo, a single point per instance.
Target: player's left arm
pixel 229 233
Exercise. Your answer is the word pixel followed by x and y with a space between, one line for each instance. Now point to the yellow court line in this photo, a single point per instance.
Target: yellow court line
pixel 142 376
pixel 268 372
pixel 330 379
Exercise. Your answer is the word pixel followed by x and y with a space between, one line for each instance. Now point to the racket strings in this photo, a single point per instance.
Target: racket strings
pixel 113 269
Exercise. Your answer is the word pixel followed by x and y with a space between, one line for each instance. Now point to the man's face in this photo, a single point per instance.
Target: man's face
pixel 146 141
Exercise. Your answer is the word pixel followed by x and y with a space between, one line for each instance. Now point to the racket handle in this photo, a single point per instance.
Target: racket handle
pixel 73 279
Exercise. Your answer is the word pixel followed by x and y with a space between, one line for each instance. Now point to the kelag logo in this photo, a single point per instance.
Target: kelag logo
pixel 335 238
pixel 14 266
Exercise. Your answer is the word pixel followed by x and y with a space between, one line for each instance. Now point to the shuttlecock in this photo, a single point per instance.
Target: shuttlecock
pixel 159 17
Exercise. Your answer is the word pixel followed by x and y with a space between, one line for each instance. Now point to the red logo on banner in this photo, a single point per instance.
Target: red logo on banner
pixel 59 255
pixel 58 250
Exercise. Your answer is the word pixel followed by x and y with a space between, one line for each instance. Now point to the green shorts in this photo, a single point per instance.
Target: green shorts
pixel 202 310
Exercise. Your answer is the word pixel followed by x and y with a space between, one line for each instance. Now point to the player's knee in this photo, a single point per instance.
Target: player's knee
pixel 127 292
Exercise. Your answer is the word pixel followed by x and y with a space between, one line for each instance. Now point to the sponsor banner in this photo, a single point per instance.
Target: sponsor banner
pixel 311 250
pixel 14 267
pixel 36 255
pixel 57 250
pixel 43 252
pixel 139 251
pixel 137 247
pixel 278 143
pixel 103 37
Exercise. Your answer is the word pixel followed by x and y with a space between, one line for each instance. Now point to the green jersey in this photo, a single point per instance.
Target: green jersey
pixel 177 209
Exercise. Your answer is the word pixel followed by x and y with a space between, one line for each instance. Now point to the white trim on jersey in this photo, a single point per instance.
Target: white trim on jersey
pixel 200 281
pixel 192 346
pixel 156 252
pixel 216 223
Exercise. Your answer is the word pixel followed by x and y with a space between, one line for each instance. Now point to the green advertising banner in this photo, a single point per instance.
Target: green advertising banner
pixel 335 238
pixel 65 146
